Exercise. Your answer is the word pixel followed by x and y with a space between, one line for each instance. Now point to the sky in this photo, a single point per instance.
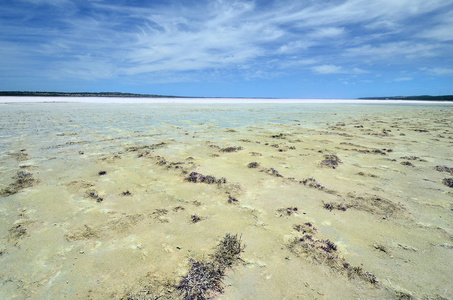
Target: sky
pixel 220 48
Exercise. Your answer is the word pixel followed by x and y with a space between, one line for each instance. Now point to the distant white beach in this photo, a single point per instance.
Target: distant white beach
pixel 18 99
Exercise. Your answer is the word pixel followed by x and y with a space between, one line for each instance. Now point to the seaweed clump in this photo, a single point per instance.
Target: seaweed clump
pixel 305 228
pixel 325 252
pixel 93 194
pixel 288 211
pixel 228 251
pixel 272 172
pixel 22 180
pixel 253 165
pixel 205 278
pixel 16 233
pixel 331 161
pixel 311 182
pixel 203 281
pixel 407 163
pixel 232 200
pixel 231 149
pixel 197 177
pixel 195 218
pixel 331 206
pixel 448 182
pixel 444 169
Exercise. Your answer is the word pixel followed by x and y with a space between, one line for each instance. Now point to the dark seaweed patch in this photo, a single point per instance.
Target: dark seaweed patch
pixel 288 211
pixel 145 147
pixel 253 165
pixel 444 169
pixel 337 206
pixel 413 158
pixel 205 278
pixel 197 177
pixel 272 172
pixel 232 200
pixel 331 161
pixel 126 193
pixel 448 182
pixel 22 180
pixel 325 252
pixel 203 281
pixel 311 182
pixel 231 149
pixel 195 219
pixel 407 163
pixel 306 228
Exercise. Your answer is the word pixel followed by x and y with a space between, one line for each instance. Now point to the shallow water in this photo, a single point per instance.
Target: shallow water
pixel 60 240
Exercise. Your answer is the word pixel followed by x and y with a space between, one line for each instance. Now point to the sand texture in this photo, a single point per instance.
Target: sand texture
pixel 130 201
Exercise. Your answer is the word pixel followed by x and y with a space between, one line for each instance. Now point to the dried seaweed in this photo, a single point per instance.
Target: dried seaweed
pixel 204 279
pixel 253 165
pixel 231 149
pixel 331 161
pixel 197 177
pixel 448 182
pixel 22 180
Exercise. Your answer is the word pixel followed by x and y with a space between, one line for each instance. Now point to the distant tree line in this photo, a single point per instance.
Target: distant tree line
pixel 422 97
pixel 101 94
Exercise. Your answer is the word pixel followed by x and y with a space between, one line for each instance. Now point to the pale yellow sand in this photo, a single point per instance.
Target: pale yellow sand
pixel 58 242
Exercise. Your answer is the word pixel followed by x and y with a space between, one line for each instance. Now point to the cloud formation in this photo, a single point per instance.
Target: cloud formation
pixel 169 39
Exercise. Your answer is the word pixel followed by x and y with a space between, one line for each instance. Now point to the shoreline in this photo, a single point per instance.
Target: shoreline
pixel 125 100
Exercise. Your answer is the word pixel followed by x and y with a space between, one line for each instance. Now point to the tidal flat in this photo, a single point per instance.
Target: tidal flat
pixel 127 201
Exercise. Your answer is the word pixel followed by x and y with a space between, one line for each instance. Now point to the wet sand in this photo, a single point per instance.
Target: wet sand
pixel 332 200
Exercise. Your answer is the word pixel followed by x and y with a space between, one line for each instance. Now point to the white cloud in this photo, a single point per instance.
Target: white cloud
pixel 58 3
pixel 359 71
pixel 442 31
pixel 231 35
pixel 439 71
pixel 294 47
pixel 393 50
pixel 327 32
pixel 333 69
pixel 403 79
pixel 327 69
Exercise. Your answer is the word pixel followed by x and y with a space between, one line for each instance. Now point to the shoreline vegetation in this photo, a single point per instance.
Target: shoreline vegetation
pixel 133 95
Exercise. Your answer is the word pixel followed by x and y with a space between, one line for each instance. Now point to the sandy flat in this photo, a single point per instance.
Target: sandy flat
pixel 97 200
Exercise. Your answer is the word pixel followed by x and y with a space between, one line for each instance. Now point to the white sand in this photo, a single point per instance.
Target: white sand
pixel 13 99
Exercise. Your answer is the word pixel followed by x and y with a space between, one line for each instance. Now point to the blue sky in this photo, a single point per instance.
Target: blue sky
pixel 283 49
